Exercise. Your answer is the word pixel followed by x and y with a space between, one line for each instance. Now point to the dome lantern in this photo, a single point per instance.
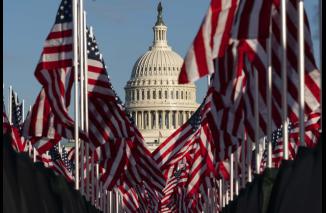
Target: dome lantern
pixel 160 30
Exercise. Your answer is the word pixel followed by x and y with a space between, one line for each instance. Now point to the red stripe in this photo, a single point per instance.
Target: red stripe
pixel 57 49
pixel 60 34
pixel 200 53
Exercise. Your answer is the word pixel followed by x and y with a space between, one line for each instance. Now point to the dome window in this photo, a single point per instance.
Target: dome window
pixel 142 94
pixel 177 95
pixel 172 95
pixel 181 94
pixel 137 95
pixel 148 94
pixel 159 94
pixel 166 94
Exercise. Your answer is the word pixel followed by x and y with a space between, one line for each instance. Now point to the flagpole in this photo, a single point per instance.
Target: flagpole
pixel 86 104
pixel 81 67
pixel 93 178
pixel 320 59
pixel 256 107
pixel 243 164
pixel 232 173
pixel 75 62
pixel 97 185
pixel 10 105
pixel 23 110
pixel 301 69
pixel 220 194
pixel 236 176
pixel 269 97
pixel 284 80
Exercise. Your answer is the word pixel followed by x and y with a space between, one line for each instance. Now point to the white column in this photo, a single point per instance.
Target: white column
pixel 170 119
pixel 156 120
pixel 163 119
pixel 136 120
pixel 150 120
pixel 142 120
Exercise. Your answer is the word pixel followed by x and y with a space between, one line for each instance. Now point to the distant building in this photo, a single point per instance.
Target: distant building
pixel 155 100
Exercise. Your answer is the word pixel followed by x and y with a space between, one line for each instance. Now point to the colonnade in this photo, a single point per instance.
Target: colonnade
pixel 160 119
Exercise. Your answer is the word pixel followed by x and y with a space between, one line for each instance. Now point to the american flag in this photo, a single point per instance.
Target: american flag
pixel 18 142
pixel 250 21
pixel 57 164
pixel 55 68
pixel 257 55
pixel 119 145
pixel 277 148
pixel 68 163
pixel 49 120
pixel 5 121
pixel 210 41
pixel 17 112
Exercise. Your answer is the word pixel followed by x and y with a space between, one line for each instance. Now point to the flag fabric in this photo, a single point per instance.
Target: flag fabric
pixel 113 136
pixel 210 42
pixel 5 121
pixel 55 162
pixel 18 141
pixel 250 21
pixel 49 120
pixel 17 112
pixel 256 52
pixel 68 163
pixel 55 67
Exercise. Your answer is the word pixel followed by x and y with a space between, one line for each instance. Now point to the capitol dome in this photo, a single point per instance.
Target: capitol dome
pixel 155 100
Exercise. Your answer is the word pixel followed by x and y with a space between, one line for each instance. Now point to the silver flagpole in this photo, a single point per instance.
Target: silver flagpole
pixel 269 97
pixel 256 107
pixel 86 104
pixel 23 110
pixel 236 176
pixel 301 65
pixel 232 173
pixel 220 189
pixel 97 186
pixel 320 59
pixel 10 105
pixel 93 178
pixel 243 164
pixel 82 95
pixel 284 81
pixel 75 62
pixel 249 157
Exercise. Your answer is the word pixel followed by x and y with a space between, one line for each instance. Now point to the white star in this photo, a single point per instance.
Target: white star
pixel 62 17
pixel 65 2
pixel 61 8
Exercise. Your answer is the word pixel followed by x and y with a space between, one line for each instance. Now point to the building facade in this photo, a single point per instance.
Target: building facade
pixel 154 99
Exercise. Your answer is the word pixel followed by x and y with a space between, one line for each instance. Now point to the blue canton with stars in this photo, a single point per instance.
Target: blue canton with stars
pixel 69 165
pixel 54 153
pixel 17 113
pixel 64 13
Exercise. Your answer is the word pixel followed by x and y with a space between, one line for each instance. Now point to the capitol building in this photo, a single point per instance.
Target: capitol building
pixel 154 99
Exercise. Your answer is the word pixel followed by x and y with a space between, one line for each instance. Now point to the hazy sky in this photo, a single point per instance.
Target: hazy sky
pixel 123 29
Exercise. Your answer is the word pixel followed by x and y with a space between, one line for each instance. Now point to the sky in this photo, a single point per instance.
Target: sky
pixel 123 30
